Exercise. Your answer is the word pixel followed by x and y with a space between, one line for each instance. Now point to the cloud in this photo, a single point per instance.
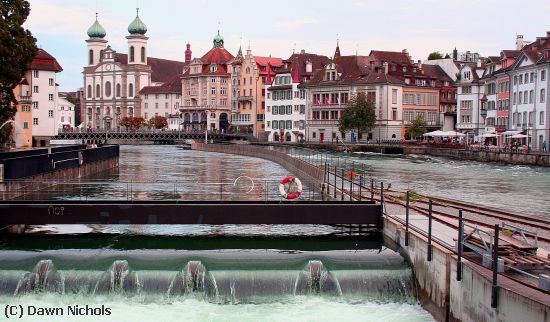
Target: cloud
pixel 293 25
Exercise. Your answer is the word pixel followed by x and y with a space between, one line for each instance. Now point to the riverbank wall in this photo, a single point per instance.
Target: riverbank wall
pixel 534 159
pixel 24 172
pixel 468 300
pixel 305 171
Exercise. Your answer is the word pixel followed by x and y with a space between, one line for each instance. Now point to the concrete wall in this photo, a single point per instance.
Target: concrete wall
pixel 468 300
pixel 305 171
pixel 16 189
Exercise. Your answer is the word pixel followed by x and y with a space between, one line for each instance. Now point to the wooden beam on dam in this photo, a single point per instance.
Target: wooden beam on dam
pixel 170 212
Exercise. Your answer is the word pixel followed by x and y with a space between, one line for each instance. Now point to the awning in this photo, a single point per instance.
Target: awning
pixel 518 136
pixel 437 133
pixel 454 133
pixel 511 132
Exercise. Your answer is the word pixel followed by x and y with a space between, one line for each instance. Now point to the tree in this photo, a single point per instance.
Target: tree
pixel 132 123
pixel 359 115
pixel 158 122
pixel 17 49
pixel 447 56
pixel 417 127
pixel 435 55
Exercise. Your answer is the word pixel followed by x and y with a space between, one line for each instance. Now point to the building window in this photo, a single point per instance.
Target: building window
pixel 146 106
pixel 35 73
pixel 91 57
pixel 35 89
pixel 131 90
pixel 35 105
pixel 108 89
pixel 50 97
pixel 50 82
pixel 89 91
pixel 97 90
pixel 541 118
pixel 117 90
pixel 543 75
pixel 542 95
pixel 132 54
pixel 157 105
pixel 35 121
pixel 143 54
pixel 25 125
pixel 394 96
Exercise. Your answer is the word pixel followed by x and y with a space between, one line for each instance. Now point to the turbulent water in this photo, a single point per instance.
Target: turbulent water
pixel 523 189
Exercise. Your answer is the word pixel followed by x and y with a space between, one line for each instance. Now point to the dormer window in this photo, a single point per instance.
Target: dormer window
pixel 467 75
pixel 407 81
pixel 213 68
pixel 404 69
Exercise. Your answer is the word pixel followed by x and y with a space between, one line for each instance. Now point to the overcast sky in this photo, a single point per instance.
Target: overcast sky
pixel 277 27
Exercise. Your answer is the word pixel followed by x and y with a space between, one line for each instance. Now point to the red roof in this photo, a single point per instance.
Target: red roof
pixel 162 70
pixel 172 86
pixel 391 56
pixel 218 56
pixel 297 65
pixel 44 61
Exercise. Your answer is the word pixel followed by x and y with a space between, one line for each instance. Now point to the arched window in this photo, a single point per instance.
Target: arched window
pixel 108 89
pixel 97 90
pixel 91 57
pixel 117 90
pixel 132 54
pixel 89 91
pixel 143 54
pixel 130 90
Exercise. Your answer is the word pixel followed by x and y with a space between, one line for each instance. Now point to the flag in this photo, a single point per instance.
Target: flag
pixel 319 102
pixel 328 102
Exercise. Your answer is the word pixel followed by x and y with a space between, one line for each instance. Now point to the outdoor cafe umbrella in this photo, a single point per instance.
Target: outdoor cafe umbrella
pixel 490 135
pixel 435 133
pixel 454 133
pixel 518 136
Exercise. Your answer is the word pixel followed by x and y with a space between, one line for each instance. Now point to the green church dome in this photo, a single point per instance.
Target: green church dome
pixel 137 27
pixel 218 40
pixel 96 30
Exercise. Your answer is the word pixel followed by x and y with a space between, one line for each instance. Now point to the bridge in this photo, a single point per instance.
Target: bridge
pixel 161 137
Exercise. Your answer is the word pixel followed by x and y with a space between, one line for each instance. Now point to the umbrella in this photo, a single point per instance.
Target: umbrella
pixel 435 133
pixel 518 136
pixel 454 133
pixel 489 135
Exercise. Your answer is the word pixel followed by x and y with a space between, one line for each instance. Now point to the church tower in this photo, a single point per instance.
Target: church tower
pixel 188 54
pixel 137 42
pixel 96 43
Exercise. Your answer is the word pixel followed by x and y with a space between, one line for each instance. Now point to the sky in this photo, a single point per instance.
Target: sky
pixel 278 27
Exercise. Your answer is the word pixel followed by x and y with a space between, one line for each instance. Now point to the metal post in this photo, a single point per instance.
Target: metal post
pixel 335 186
pixel 350 189
pixel 407 220
pixel 342 180
pixel 494 291
pixel 372 189
pixel 360 187
pixel 381 199
pixel 430 231
pixel 459 246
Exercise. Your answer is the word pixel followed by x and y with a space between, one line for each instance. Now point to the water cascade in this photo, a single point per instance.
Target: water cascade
pixel 219 277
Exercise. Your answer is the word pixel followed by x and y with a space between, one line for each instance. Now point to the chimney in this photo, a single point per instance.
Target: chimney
pixel 303 51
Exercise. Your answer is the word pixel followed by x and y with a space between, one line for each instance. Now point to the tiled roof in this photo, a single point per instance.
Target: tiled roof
pixel 391 56
pixel 299 61
pixel 44 61
pixel 510 53
pixel 172 86
pixel 272 88
pixel 162 70
pixel 217 55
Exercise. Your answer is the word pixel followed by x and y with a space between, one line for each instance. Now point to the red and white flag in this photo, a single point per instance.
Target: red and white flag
pixel 319 102
pixel 328 102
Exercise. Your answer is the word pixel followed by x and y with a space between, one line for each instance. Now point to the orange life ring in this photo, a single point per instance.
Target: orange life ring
pixel 293 195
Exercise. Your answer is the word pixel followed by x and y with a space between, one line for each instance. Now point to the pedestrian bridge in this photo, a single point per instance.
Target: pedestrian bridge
pixel 165 137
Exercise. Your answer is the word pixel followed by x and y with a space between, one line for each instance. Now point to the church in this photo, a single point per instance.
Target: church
pixel 120 85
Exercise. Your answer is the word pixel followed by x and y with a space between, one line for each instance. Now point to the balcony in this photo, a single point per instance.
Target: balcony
pixel 245 98
pixel 25 99
pixel 322 122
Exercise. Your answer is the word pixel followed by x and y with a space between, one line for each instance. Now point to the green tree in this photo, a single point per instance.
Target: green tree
pixel 359 115
pixel 417 127
pixel 158 122
pixel 17 49
pixel 435 55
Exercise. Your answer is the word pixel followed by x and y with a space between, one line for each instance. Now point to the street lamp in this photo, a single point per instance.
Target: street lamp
pixel 481 111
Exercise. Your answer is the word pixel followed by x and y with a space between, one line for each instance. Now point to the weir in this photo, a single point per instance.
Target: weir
pixel 219 277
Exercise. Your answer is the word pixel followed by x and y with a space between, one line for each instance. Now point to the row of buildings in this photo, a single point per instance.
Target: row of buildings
pixel 302 98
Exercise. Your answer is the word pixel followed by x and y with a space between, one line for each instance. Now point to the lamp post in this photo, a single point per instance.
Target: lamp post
pixel 481 111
